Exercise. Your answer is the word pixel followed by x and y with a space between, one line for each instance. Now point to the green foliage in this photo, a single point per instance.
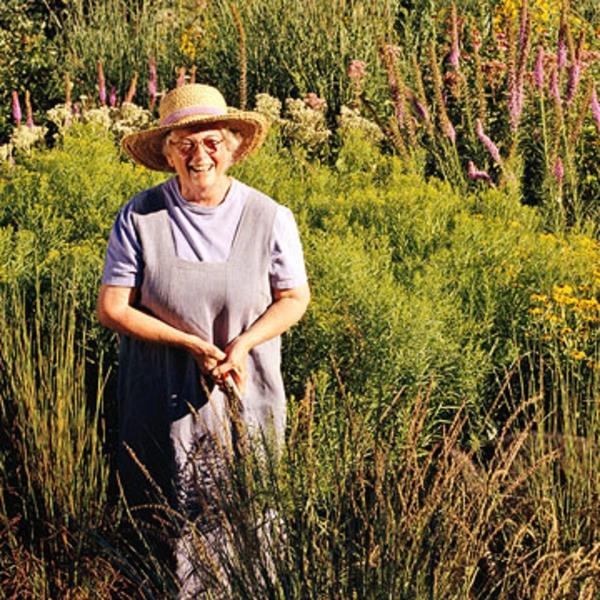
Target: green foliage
pixel 124 36
pixel 27 58
pixel 424 308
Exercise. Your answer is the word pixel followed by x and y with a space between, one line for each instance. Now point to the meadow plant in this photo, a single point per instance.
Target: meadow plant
pixel 531 111
pixel 54 473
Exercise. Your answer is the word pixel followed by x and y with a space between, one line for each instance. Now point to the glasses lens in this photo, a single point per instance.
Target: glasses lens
pixel 188 147
pixel 211 144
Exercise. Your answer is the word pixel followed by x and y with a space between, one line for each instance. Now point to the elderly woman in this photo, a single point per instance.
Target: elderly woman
pixel 202 275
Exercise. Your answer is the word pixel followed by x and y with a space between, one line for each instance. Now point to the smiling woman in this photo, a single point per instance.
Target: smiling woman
pixel 202 275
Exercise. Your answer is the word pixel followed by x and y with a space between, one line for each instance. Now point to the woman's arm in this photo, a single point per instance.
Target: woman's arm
pixel 116 311
pixel 287 309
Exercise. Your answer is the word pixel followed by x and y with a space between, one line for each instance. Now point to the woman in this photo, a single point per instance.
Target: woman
pixel 202 275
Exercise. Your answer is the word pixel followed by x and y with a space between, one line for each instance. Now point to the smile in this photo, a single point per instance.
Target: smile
pixel 201 168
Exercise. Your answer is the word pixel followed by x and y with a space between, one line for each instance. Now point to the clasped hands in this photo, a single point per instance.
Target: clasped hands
pixel 217 363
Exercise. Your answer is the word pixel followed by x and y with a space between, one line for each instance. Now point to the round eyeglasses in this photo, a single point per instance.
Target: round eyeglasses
pixel 188 147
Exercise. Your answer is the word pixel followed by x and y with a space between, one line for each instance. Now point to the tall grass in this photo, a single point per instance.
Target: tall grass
pixel 53 470
pixel 355 511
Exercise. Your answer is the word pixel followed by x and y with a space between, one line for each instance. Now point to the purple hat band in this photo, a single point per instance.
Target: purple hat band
pixel 191 111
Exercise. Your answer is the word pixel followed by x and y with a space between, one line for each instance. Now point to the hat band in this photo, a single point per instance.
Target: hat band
pixel 191 111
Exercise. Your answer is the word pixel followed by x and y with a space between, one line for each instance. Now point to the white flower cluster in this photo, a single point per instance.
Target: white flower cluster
pixel 120 121
pixel 269 107
pixel 129 118
pixel 62 116
pixel 304 125
pixel 22 140
pixel 349 120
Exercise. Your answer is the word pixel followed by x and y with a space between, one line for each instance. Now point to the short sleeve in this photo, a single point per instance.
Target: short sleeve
pixel 287 259
pixel 123 265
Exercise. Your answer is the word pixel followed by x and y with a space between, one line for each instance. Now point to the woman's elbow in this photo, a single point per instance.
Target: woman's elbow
pixel 111 306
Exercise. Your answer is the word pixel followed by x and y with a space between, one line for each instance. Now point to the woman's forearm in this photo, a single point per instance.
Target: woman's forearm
pixel 286 310
pixel 116 312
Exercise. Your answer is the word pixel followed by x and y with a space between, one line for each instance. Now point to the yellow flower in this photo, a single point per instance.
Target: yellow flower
pixel 541 298
pixel 578 355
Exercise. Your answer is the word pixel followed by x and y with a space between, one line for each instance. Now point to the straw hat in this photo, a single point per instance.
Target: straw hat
pixel 187 106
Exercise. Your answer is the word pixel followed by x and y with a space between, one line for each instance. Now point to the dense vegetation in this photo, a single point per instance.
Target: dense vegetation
pixel 444 385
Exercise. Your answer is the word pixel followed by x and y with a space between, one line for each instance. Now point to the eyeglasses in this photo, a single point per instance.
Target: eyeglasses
pixel 188 146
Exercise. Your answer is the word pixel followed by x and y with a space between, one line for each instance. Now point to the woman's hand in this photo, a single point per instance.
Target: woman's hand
pixel 235 362
pixel 206 355
pixel 116 311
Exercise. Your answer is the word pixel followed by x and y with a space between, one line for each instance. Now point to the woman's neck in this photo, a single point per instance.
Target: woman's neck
pixel 211 196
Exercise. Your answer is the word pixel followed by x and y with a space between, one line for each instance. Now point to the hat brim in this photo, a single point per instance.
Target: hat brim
pixel 146 147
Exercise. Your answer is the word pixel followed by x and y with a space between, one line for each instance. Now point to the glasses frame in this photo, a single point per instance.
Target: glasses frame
pixel 210 145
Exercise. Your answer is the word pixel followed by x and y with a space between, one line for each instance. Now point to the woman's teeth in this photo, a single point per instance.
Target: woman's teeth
pixel 201 169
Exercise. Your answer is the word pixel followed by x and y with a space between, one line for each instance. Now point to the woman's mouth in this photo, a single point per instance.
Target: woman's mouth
pixel 200 168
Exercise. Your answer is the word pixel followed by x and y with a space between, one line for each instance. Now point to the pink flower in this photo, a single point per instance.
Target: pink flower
pixel 152 82
pixel 450 131
pixel 554 89
pixel 487 142
pixel 357 70
pixel 112 99
pixel 596 109
pixel 313 101
pixel 181 77
pixel 559 170
pixel 475 174
pixel 538 71
pixel 454 57
pixel 573 81
pixel 101 84
pixel 16 108
pixel 420 109
pixel 515 105
pixel 561 50
pixel 28 110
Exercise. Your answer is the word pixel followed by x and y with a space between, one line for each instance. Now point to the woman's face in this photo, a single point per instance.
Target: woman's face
pixel 200 158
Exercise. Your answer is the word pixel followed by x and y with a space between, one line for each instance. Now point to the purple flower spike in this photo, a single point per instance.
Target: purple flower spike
pixel 596 109
pixel 101 84
pixel 28 110
pixel 487 142
pixel 573 82
pixel 181 77
pixel 450 131
pixel 16 108
pixel 554 90
pixel 152 82
pixel 559 170
pixel 561 50
pixel 454 58
pixel 474 174
pixel 515 106
pixel 112 99
pixel 421 110
pixel 538 71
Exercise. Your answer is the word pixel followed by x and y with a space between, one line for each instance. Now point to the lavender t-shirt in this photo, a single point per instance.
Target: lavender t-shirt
pixel 204 233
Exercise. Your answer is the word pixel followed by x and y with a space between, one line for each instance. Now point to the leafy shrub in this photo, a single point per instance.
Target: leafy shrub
pixel 28 58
